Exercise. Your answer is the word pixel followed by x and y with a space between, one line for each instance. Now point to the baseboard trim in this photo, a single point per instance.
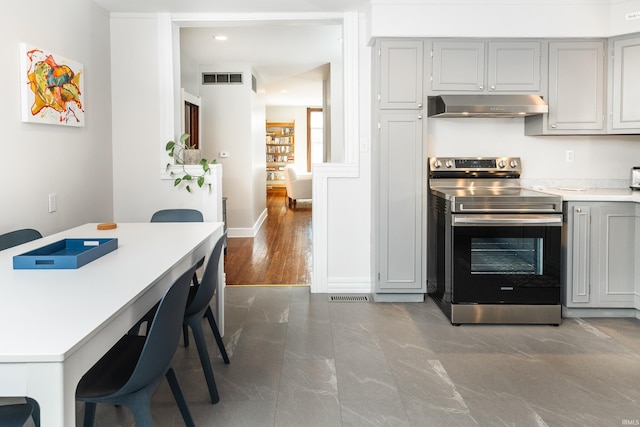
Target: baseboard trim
pixel 248 232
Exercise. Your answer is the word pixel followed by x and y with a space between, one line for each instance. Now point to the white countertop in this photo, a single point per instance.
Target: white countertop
pixel 569 194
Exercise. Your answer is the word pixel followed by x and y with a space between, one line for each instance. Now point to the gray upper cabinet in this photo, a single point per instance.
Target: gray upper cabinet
pixel 457 66
pixel 624 86
pixel 401 74
pixel 576 95
pixel 479 66
pixel 513 67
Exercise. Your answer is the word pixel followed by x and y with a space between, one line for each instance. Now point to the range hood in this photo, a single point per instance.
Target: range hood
pixel 492 105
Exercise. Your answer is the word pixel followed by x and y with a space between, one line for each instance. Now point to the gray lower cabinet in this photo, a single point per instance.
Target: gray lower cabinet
pixel 599 254
pixel 624 87
pixel 576 90
pixel 398 204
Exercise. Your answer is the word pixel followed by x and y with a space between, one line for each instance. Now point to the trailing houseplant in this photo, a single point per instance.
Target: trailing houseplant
pixel 176 150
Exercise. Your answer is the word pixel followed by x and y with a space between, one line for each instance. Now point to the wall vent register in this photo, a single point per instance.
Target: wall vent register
pixel 221 78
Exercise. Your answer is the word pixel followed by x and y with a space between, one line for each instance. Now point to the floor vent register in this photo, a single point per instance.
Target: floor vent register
pixel 349 298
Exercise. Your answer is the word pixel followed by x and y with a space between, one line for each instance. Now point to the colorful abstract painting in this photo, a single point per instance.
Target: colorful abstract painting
pixel 52 88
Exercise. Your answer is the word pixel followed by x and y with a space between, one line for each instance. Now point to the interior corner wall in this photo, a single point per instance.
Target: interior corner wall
pixel 138 97
pixel 72 162
pixel 227 126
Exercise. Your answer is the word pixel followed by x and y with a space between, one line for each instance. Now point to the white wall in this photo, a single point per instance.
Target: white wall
pixel 74 163
pixel 601 161
pixel 230 116
pixel 141 126
pixel 508 18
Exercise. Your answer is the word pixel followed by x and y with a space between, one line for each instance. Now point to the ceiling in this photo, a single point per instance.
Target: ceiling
pixel 291 58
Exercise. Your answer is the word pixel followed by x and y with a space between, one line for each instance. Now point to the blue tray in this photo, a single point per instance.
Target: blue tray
pixel 65 254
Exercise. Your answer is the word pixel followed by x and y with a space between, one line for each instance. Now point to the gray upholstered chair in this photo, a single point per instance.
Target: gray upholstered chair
pixel 131 371
pixel 198 307
pixel 16 414
pixel 18 237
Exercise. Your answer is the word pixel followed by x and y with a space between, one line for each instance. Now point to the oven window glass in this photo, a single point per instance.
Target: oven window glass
pixel 507 255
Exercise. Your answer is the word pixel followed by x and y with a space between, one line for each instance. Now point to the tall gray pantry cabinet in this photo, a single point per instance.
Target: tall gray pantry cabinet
pixel 398 192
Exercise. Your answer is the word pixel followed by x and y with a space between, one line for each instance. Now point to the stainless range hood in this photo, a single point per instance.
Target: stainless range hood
pixel 488 106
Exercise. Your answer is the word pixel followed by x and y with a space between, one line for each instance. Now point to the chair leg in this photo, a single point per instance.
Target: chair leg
pixel 185 334
pixel 89 414
pixel 140 405
pixel 216 333
pixel 196 327
pixel 180 400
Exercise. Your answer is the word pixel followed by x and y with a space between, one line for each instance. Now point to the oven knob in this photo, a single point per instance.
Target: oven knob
pixel 448 164
pixel 501 164
pixel 513 164
pixel 437 164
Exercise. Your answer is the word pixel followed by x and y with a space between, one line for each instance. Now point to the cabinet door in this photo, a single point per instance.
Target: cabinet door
pixel 401 69
pixel 400 200
pixel 576 86
pixel 626 84
pixel 513 67
pixel 617 258
pixel 579 259
pixel 458 66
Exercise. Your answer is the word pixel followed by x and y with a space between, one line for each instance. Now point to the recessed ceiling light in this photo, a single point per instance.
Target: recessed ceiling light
pixel 220 38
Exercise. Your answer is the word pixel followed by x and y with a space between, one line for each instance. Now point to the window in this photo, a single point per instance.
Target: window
pixel 315 137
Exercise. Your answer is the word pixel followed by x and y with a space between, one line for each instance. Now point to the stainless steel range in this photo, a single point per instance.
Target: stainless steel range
pixel 494 248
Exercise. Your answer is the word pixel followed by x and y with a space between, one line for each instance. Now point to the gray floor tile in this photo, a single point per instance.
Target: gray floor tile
pixel 382 412
pixel 299 360
pixel 320 411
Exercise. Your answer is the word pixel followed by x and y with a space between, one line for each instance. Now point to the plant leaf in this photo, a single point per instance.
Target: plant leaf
pixel 184 137
pixel 187 177
pixel 177 182
pixel 170 145
pixel 200 181
pixel 188 189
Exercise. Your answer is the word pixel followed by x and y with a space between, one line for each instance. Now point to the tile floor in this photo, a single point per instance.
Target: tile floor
pixel 299 360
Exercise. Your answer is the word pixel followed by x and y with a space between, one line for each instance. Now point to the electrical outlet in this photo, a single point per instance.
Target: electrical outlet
pixel 570 156
pixel 53 202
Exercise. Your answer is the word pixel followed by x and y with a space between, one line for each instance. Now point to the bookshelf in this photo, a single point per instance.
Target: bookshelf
pixel 280 150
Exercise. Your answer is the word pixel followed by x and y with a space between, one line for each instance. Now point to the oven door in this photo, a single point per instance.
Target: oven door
pixel 506 259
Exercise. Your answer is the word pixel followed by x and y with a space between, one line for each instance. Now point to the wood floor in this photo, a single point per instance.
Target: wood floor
pixel 280 254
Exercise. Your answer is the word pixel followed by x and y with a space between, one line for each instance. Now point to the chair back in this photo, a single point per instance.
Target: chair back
pixel 163 336
pixel 18 237
pixel 177 215
pixel 209 282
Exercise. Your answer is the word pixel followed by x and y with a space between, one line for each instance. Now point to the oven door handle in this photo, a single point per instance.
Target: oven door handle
pixel 505 220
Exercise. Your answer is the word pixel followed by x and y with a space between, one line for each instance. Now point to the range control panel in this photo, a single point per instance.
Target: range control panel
pixel 475 164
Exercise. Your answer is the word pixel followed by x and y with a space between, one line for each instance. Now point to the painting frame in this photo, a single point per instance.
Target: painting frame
pixel 51 88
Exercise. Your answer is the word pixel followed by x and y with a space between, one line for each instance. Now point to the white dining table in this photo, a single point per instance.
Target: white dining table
pixel 56 323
